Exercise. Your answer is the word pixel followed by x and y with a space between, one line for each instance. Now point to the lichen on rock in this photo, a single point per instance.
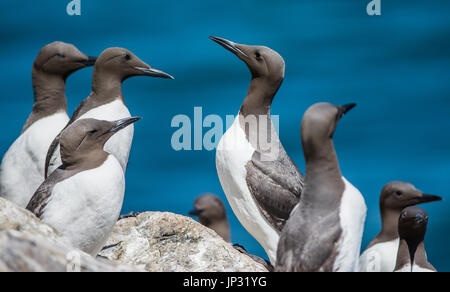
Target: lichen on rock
pixel 165 242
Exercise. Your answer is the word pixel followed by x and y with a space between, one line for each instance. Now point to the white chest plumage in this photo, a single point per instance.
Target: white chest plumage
pixel 85 207
pixel 233 154
pixel 416 269
pixel 352 215
pixel 381 257
pixel 22 169
pixel 120 144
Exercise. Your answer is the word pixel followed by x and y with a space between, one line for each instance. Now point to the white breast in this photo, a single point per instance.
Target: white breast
pixel 22 169
pixel 86 206
pixel 233 153
pixel 416 269
pixel 382 257
pixel 120 144
pixel 352 215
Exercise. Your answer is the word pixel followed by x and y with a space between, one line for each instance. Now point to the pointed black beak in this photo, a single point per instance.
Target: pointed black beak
pixel 123 123
pixel 152 72
pixel 89 62
pixel 230 46
pixel 195 212
pixel 426 198
pixel 348 107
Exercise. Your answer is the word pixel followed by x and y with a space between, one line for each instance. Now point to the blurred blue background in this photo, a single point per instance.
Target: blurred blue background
pixel 395 66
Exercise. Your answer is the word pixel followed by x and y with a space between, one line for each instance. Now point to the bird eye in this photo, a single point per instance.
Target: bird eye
pixel 258 56
pixel 398 193
pixel 127 57
pixel 92 132
pixel 61 56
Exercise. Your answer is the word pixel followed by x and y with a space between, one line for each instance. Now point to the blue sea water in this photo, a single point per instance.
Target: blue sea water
pixel 395 66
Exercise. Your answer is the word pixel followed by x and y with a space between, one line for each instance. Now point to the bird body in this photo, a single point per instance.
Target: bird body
pixel 324 231
pixel 380 257
pixel 22 169
pixel 83 198
pixel 381 254
pixel 89 215
pixel 233 154
pixel 415 269
pixel 352 218
pixel 23 166
pixel 412 227
pixel 261 182
pixel 211 212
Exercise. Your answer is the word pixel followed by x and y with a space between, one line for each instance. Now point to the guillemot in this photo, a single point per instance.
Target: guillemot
pixel 324 231
pixel 261 182
pixel 106 102
pixel 412 227
pixel 381 254
pixel 210 211
pixel 22 168
pixel 82 199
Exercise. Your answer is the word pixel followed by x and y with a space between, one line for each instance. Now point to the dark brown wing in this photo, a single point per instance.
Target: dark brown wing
pixel 50 152
pixel 309 241
pixel 44 192
pixel 309 246
pixel 276 186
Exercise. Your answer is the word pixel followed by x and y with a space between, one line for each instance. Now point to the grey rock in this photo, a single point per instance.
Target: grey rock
pixel 28 245
pixel 22 252
pixel 165 242
pixel 153 242
pixel 12 217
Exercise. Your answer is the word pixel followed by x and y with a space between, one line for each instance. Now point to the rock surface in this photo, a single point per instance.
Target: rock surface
pixel 28 245
pixel 12 217
pixel 165 242
pixel 153 242
pixel 22 252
